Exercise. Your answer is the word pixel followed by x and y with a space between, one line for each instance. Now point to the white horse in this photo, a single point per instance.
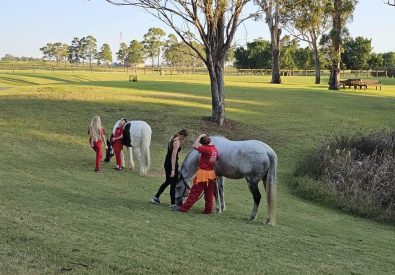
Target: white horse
pixel 137 138
pixel 249 159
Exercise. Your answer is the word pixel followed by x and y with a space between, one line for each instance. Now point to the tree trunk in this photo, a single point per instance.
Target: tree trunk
pixel 275 33
pixel 158 58
pixel 216 71
pixel 317 66
pixel 276 78
pixel 334 80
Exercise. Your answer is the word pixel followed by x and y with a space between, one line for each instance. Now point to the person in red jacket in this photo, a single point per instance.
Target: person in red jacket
pixel 117 144
pixel 96 138
pixel 204 180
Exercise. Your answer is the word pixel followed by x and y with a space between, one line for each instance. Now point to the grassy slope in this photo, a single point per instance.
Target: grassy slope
pixel 57 213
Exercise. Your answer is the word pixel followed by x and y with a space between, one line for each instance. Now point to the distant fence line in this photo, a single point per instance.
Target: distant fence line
pixel 188 70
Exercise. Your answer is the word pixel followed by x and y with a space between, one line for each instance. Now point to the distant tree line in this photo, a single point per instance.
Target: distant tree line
pixel 156 48
pixel 9 58
pixel 356 55
pixel 80 51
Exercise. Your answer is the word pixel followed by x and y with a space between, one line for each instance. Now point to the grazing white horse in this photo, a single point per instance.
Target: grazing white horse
pixel 137 138
pixel 249 159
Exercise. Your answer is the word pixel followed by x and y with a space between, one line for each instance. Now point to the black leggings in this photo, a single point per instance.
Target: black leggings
pixel 169 181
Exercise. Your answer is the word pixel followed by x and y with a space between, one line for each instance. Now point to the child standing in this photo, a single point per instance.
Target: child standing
pixel 205 176
pixel 117 144
pixel 96 138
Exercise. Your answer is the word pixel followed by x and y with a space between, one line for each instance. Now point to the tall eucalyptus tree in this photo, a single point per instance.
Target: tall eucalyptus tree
pixel 215 23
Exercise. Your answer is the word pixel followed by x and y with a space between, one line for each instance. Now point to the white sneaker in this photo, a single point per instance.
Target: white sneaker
pixel 173 207
pixel 155 200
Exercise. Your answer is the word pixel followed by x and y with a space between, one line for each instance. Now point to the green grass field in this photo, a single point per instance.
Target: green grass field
pixel 58 216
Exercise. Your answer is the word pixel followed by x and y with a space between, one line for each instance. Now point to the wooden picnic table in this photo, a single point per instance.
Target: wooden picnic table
pixel 361 83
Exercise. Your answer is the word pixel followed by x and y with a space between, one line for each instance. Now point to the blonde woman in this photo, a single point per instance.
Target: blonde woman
pixel 96 138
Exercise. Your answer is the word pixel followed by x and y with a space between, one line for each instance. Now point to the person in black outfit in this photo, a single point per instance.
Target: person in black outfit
pixel 171 167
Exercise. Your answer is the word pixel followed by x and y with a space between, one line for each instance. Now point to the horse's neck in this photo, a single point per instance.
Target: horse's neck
pixel 190 165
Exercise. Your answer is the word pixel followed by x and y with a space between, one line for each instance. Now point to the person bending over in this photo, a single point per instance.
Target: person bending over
pixel 171 167
pixel 204 180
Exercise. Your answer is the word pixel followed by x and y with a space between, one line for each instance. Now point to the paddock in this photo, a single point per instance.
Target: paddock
pixel 57 214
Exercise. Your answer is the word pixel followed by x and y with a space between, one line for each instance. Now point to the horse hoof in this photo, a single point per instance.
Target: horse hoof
pixel 268 222
pixel 252 218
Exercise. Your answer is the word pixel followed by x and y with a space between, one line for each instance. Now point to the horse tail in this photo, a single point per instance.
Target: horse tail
pixel 145 148
pixel 271 187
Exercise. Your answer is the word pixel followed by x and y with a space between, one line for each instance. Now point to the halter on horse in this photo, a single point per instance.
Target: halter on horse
pixel 249 159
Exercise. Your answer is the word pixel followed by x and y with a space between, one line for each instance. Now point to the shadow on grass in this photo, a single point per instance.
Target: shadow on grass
pixel 162 118
pixel 47 77
pixel 196 88
pixel 16 81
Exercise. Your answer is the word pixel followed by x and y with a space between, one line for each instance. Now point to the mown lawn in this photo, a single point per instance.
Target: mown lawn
pixel 58 216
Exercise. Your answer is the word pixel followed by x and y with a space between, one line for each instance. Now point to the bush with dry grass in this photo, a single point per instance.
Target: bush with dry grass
pixel 355 173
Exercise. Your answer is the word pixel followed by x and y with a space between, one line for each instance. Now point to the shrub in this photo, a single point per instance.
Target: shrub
pixel 360 170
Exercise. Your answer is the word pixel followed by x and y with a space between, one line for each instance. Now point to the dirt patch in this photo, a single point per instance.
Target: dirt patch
pixel 228 129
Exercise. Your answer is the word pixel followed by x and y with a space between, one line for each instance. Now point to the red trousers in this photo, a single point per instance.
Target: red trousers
pixel 196 190
pixel 117 146
pixel 97 146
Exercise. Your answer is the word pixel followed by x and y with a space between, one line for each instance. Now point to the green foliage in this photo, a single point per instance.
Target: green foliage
pixel 304 58
pixel 306 16
pixel 75 51
pixel 57 51
pixel 357 53
pixel 135 53
pixel 173 53
pixel 288 50
pixel 153 43
pixel 82 49
pixel 122 53
pixel 88 47
pixel 257 55
pixel 389 59
pixel 376 61
pixel 9 57
pixel 105 54
pixel 180 54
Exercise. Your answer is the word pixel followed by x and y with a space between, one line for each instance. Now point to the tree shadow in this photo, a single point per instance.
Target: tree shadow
pixel 47 77
pixel 16 81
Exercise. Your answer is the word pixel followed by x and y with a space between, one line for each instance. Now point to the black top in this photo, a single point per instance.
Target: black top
pixel 170 152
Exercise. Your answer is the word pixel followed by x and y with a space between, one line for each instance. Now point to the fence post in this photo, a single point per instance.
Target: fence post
pixel 386 73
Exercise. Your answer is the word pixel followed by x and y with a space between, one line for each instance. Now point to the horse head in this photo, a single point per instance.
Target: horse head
pixel 185 174
pixel 182 189
pixel 109 152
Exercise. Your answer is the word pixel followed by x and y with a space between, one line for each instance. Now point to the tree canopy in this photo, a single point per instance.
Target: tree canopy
pixel 214 23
